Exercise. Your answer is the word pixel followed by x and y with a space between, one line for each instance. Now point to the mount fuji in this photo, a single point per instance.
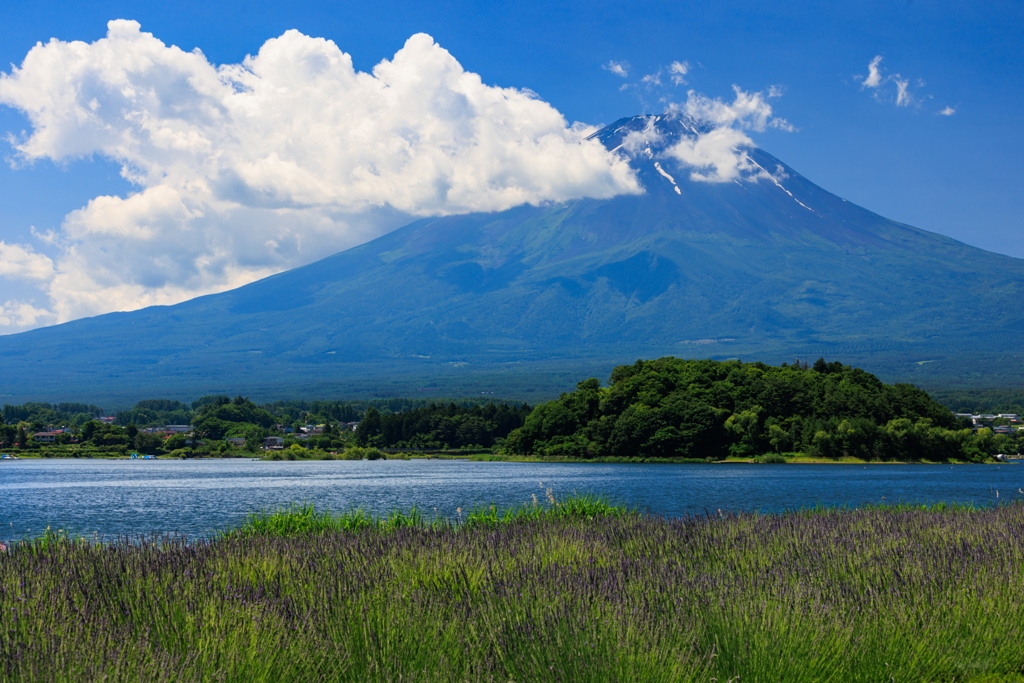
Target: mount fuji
pixel 522 303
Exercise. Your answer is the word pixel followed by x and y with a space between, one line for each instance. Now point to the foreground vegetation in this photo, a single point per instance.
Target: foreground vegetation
pixel 577 592
pixel 675 408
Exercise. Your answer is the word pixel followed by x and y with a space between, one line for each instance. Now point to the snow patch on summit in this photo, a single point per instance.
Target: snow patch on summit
pixel 765 174
pixel 659 169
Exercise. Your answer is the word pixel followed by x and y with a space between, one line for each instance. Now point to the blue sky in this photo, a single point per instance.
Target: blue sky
pixel 959 174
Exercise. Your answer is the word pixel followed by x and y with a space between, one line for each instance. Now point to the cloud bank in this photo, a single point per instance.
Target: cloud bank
pixel 247 169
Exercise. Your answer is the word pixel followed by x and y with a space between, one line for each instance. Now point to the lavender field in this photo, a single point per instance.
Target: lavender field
pixel 577 592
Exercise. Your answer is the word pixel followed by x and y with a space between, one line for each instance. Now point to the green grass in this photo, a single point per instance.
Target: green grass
pixel 305 519
pixel 576 591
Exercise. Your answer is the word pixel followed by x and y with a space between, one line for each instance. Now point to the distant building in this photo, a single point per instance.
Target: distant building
pixel 236 442
pixel 45 437
pixel 273 443
pixel 178 429
pixel 986 419
pixel 107 419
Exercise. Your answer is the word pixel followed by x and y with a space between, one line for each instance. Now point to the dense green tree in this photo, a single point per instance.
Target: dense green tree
pixel 440 426
pixel 175 441
pixel 46 414
pixel 671 407
pixel 207 401
pixel 148 443
pixel 156 413
pixel 402 423
pixel 8 435
pixel 110 435
pixel 88 429
pixel 216 418
pixel 369 431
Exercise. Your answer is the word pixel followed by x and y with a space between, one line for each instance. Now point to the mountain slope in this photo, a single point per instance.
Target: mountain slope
pixel 765 268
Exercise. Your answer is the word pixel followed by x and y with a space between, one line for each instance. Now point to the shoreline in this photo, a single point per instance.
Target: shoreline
pixel 526 459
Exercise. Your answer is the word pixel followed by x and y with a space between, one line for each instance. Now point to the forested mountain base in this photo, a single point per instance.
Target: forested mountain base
pixel 219 425
pixel 665 408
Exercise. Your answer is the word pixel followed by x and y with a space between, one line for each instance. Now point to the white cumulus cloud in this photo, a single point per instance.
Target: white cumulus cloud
pixel 651 80
pixel 651 91
pixel 874 77
pixel 242 170
pixel 23 263
pixel 948 111
pixel 618 68
pixel 718 152
pixel 903 97
pixel 21 315
pixel 876 80
pixel 677 71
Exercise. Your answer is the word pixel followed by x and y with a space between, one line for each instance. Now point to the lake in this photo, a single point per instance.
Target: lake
pixel 198 497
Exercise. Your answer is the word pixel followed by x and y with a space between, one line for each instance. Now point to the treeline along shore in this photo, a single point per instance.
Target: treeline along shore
pixel 574 590
pixel 664 409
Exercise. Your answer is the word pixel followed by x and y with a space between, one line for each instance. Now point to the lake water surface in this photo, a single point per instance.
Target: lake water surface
pixel 197 497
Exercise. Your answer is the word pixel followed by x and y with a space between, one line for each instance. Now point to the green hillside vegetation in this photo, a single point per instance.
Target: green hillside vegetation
pixel 226 417
pixel 665 408
pixel 42 414
pixel 981 400
pixel 674 408
pixel 441 427
pixel 157 413
pixel 409 424
pixel 160 412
